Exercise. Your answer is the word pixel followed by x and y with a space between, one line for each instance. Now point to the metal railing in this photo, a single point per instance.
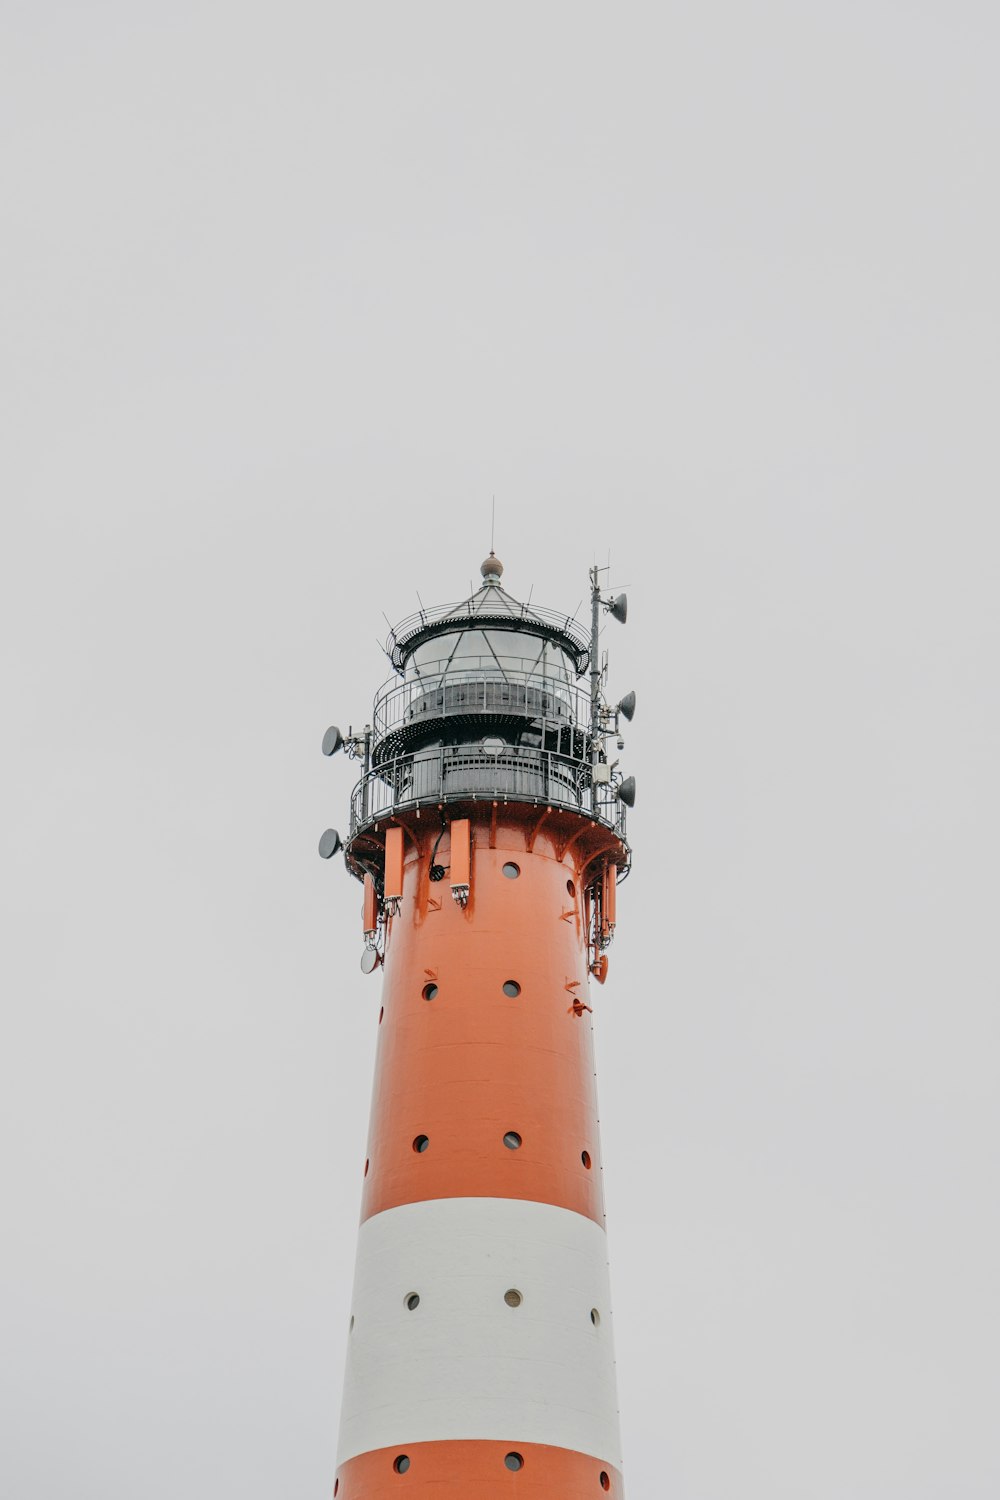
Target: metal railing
pixel 501 690
pixel 516 774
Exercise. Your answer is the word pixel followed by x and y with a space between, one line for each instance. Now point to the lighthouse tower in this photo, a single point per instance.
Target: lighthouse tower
pixel 488 830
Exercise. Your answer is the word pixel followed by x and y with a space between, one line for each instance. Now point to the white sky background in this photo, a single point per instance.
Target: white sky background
pixel 288 292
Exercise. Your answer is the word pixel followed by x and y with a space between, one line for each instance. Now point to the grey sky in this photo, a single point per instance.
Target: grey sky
pixel 288 292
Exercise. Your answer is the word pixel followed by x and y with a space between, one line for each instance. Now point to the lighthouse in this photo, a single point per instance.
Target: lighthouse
pixel 488 830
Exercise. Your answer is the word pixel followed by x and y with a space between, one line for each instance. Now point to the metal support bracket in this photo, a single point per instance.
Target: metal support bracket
pixel 530 841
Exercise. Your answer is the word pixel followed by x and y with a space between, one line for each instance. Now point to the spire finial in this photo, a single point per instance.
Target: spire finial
pixel 492 568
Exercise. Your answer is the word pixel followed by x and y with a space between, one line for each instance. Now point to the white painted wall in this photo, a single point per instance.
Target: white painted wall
pixel 464 1365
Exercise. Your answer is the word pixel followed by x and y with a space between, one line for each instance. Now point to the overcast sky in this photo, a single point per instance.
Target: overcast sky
pixel 289 292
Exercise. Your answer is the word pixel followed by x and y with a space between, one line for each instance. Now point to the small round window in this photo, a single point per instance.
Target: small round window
pixel 511 988
pixel 513 1297
pixel 420 1143
pixel 514 1461
pixel 429 991
pixel 512 1140
pixel 401 1464
pixel 412 1300
pixel 585 1158
pixel 605 1480
pixel 511 870
pixel 595 1317
pixel 571 887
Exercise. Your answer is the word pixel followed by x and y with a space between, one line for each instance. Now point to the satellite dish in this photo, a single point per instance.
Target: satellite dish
pixel 619 608
pixel 332 741
pixel 370 960
pixel 329 843
pixel 626 791
pixel 627 706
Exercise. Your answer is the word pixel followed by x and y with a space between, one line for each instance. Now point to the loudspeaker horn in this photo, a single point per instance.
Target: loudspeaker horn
pixel 329 843
pixel 626 791
pixel 332 741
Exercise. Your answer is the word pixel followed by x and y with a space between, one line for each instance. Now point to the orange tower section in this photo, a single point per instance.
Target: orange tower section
pixel 488 829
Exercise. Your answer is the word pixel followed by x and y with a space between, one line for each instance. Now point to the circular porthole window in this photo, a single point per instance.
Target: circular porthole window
pixel 420 1143
pixel 513 1297
pixel 595 1317
pixel 429 991
pixel 571 887
pixel 401 1463
pixel 511 870
pixel 511 988
pixel 605 1480
pixel 585 1158
pixel 514 1461
pixel 512 1140
pixel 493 746
pixel 412 1300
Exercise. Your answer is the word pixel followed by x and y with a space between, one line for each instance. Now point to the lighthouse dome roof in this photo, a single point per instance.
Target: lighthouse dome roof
pixel 490 605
